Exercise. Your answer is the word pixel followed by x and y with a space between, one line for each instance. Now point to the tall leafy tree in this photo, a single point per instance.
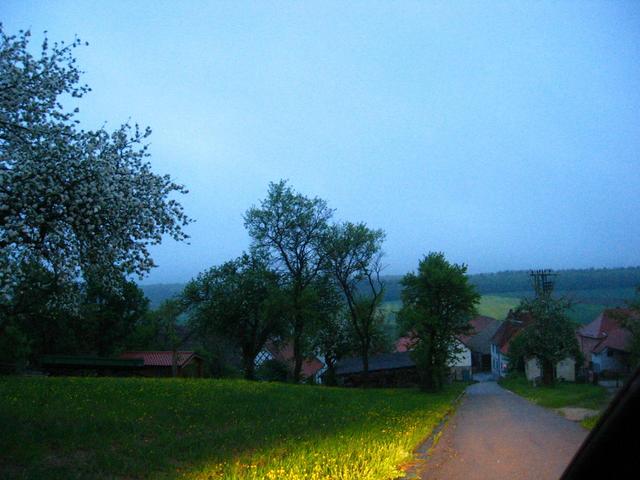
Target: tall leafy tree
pixel 242 300
pixel 353 255
pixel 438 301
pixel 73 201
pixel 46 327
pixel 101 323
pixel 550 336
pixel 333 342
pixel 109 318
pixel 290 227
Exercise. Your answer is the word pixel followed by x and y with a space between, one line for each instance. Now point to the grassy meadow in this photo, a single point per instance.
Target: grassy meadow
pixel 66 428
pixel 496 306
pixel 562 394
pixel 490 305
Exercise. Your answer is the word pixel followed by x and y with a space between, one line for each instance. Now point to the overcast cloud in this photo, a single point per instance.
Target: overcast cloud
pixel 505 134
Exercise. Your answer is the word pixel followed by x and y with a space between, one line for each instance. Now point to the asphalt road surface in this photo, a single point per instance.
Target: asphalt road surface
pixel 496 434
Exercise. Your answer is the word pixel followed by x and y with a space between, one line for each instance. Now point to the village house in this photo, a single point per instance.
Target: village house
pixel 312 367
pixel 460 366
pixel 398 368
pixel 504 334
pixel 604 343
pixel 508 330
pixel 479 342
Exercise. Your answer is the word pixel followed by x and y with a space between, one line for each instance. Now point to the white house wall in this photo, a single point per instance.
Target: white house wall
pixel 499 362
pixel 565 369
pixel 532 369
pixel 463 359
pixel 603 362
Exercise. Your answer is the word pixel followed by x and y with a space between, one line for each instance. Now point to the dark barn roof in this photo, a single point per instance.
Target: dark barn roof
pixel 479 338
pixel 383 361
pixel 88 361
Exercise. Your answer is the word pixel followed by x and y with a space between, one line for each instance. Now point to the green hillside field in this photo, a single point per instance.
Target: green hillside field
pixel 76 428
pixel 490 305
pixel 497 306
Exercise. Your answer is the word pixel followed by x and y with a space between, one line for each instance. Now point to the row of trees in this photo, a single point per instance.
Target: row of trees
pixel 304 278
pixel 80 208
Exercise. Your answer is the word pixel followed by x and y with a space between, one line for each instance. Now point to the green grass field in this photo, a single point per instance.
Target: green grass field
pixel 490 305
pixel 65 428
pixel 496 306
pixel 563 394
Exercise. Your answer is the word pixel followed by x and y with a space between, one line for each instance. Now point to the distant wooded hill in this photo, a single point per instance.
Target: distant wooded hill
pixel 606 286
pixel 159 292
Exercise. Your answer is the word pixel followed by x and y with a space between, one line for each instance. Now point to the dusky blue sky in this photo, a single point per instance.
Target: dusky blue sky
pixel 505 134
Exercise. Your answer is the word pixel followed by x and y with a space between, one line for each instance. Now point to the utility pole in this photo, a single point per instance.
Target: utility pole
pixel 543 282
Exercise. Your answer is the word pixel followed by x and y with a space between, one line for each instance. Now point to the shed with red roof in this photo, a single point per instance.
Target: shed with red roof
pixel 160 363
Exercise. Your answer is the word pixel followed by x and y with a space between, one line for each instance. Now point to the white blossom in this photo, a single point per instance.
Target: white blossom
pixel 74 201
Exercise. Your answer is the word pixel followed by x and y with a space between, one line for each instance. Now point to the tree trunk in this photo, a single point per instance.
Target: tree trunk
pixel 174 363
pixel 248 364
pixel 427 369
pixel 297 349
pixel 365 364
pixel 330 375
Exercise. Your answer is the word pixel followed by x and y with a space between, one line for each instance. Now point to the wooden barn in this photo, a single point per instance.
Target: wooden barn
pixel 129 364
pixel 159 363
pixel 385 370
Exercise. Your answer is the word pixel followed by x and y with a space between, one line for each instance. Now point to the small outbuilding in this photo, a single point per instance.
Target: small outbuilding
pixel 385 370
pixel 564 370
pixel 160 363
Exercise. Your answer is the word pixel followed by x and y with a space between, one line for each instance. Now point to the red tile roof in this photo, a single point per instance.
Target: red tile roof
pixel 284 353
pixel 481 322
pixel 617 339
pixel 404 344
pixel 607 328
pixel 478 324
pixel 508 330
pixel 311 366
pixel 160 358
pixel 608 320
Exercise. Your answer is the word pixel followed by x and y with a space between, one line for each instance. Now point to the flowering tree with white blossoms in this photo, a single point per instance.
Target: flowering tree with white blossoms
pixel 77 203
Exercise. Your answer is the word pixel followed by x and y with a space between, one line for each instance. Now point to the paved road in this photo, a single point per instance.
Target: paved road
pixel 496 434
